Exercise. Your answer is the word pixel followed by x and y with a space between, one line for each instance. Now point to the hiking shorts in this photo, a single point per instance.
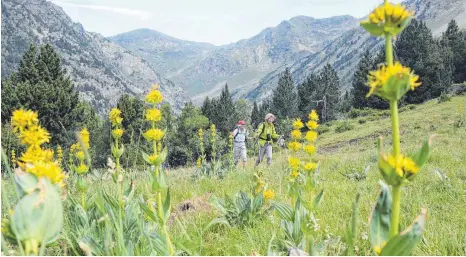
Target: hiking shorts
pixel 239 151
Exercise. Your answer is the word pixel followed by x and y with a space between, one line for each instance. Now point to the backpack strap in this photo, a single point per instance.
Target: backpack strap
pixel 262 132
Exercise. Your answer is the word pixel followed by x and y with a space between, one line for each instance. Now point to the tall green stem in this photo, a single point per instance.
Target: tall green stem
pixel 83 200
pixel 395 128
pixel 396 190
pixel 388 49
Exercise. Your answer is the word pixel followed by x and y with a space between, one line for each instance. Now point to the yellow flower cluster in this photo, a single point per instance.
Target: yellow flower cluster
pixel 35 159
pixel 387 18
pixel 78 151
pixel 154 134
pixel 115 117
pixel 198 162
pixel 13 158
pixel 59 155
pixel 379 80
pixel 268 194
pixel 116 120
pixel 213 130
pixel 154 115
pixel 403 165
pixel 310 137
pixel 154 96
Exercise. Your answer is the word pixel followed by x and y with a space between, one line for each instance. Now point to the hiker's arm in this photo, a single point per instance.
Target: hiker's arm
pixel 258 131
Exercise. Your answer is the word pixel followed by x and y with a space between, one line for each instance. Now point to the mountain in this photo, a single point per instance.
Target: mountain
pixel 203 69
pixel 344 52
pixel 102 70
pixel 167 54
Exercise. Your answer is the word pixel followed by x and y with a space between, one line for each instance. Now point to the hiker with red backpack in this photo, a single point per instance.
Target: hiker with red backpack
pixel 240 135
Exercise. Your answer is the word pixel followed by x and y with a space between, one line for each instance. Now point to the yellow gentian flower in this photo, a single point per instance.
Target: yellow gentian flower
pixel 153 115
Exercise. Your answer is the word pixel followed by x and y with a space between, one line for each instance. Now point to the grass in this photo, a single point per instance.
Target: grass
pixel 339 153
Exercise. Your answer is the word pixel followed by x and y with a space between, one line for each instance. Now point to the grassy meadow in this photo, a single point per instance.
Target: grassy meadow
pixel 347 156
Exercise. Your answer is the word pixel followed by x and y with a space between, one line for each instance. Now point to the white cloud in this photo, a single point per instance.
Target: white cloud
pixel 125 11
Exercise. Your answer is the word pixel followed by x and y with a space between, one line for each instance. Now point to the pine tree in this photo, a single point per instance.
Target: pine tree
pixel 256 117
pixel 224 114
pixel 41 84
pixel 454 38
pixel 328 93
pixel 285 98
pixel 27 70
pixel 206 108
pixel 307 94
pixel 132 112
pixel 10 100
pixel 264 108
pixel 417 49
pixel 360 88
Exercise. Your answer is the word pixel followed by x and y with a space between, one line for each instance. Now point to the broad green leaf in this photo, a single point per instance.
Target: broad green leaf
pixel 380 218
pixel 148 212
pixel 284 211
pixel 258 202
pixel 26 183
pixel 404 243
pixel 217 221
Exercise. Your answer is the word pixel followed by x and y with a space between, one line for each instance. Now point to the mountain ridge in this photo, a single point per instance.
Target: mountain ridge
pixel 101 70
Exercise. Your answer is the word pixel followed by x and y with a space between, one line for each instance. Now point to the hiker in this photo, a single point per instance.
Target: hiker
pixel 266 134
pixel 239 142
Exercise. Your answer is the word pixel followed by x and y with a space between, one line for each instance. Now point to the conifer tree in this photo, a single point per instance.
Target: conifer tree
pixel 455 39
pixel 328 93
pixel 41 84
pixel 285 97
pixel 256 117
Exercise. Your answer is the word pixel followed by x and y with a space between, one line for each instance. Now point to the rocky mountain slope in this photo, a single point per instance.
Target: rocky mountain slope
pixel 344 52
pixel 167 54
pixel 101 69
pixel 240 64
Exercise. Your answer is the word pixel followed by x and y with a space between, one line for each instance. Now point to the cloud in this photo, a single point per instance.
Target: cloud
pixel 124 11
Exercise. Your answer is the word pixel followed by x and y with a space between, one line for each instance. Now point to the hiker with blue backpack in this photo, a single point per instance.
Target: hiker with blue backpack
pixel 240 135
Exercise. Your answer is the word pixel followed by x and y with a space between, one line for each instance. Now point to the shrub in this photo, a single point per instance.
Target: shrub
pixel 444 97
pixel 345 126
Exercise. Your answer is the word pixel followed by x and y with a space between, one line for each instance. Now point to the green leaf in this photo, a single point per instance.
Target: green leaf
pixel 351 232
pixel 162 156
pixel 318 199
pixel 404 243
pixel 39 215
pixel 284 211
pixel 380 218
pixel 258 202
pixel 217 221
pixel 148 212
pixel 420 158
pixel 26 183
pixel 167 206
pixel 373 29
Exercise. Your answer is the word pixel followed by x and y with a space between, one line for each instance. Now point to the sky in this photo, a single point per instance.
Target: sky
pixel 217 22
